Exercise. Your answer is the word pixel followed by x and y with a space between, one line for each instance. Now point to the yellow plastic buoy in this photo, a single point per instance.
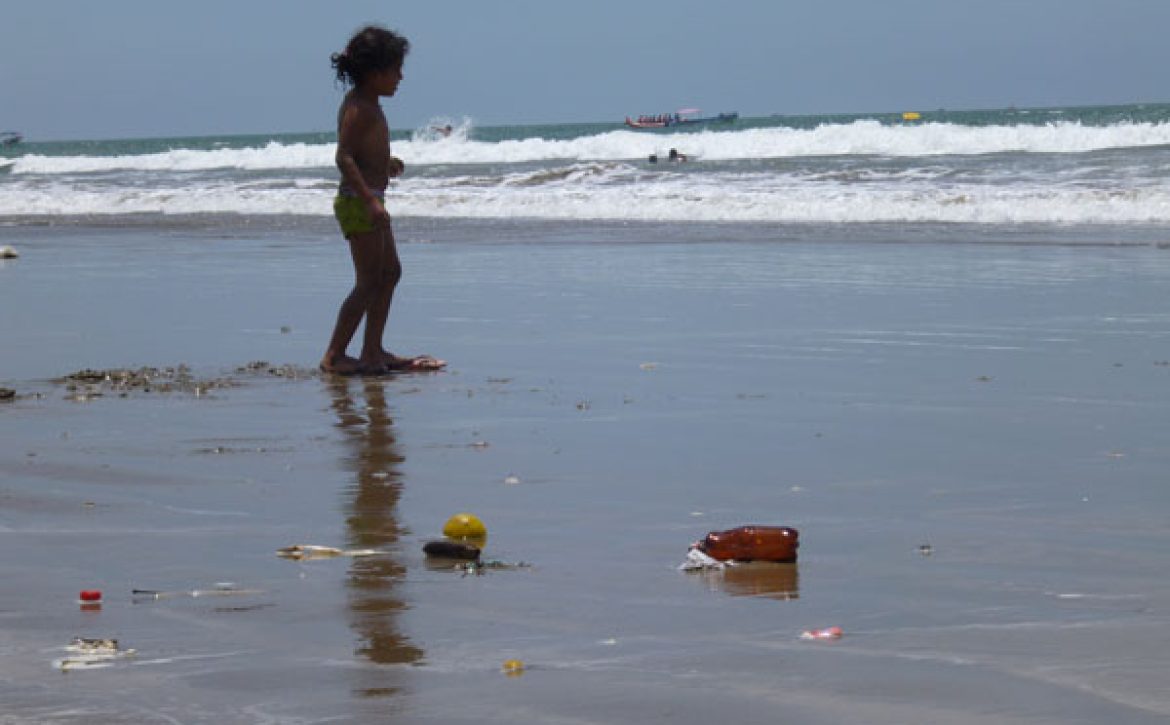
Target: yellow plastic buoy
pixel 465 526
pixel 911 116
pixel 513 668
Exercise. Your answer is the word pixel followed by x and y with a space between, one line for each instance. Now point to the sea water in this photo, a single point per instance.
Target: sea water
pixel 999 169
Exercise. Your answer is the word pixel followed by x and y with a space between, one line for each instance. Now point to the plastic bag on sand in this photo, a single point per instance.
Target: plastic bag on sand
pixel 696 560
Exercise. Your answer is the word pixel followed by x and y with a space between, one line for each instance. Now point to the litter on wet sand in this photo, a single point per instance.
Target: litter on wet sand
pixel 447 549
pixel 305 552
pixel 744 543
pixel 85 653
pixel 220 589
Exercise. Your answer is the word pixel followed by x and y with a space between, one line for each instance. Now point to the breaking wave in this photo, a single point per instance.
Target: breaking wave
pixel 859 138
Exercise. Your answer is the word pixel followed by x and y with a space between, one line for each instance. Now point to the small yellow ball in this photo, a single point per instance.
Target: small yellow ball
pixel 513 667
pixel 465 526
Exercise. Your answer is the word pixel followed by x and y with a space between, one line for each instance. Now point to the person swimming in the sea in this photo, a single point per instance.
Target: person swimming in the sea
pixel 372 64
pixel 674 155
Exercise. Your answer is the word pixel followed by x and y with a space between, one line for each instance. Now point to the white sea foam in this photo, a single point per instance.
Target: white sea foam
pixel 590 192
pixel 269 157
pixel 862 171
pixel 860 138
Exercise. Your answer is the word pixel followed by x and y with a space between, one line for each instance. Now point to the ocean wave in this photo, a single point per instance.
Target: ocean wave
pixel 270 157
pixel 859 138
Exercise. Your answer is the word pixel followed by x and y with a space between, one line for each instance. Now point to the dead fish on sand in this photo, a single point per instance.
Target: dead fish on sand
pixel 302 552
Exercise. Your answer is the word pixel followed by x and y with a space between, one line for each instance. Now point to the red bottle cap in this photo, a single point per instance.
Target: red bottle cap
pixel 91 595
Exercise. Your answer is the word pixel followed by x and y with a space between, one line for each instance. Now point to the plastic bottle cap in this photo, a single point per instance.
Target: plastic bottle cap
pixel 513 667
pixel 91 595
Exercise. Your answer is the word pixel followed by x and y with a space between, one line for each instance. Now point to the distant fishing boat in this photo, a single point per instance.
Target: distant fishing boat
pixel 10 138
pixel 681 117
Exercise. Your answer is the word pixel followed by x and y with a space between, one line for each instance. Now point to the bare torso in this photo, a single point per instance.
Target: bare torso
pixel 363 137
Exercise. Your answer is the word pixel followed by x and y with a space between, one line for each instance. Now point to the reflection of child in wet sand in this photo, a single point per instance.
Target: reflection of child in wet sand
pixel 372 63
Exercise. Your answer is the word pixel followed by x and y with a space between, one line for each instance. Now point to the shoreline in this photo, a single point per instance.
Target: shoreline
pixel 495 231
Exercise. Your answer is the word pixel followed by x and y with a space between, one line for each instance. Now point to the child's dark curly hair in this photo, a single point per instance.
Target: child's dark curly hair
pixel 371 49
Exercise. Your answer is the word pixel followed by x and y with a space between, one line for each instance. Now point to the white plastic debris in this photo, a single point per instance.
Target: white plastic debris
pixel 301 552
pixel 826 633
pixel 91 654
pixel 697 560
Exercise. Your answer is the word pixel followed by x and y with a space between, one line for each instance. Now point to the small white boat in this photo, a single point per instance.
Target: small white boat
pixel 10 138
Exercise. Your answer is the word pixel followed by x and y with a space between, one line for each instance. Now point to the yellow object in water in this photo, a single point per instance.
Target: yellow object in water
pixel 513 668
pixel 465 526
pixel 911 116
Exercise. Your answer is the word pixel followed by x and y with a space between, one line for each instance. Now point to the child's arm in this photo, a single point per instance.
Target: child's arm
pixel 357 124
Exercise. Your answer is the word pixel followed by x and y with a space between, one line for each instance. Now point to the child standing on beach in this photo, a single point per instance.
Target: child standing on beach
pixel 372 64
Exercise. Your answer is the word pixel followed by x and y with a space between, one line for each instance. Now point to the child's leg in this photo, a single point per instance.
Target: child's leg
pixel 367 250
pixel 378 311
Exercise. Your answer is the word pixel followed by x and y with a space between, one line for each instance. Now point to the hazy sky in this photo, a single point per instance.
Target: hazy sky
pixel 84 69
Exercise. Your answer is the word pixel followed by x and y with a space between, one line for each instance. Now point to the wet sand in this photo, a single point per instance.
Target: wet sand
pixel 608 402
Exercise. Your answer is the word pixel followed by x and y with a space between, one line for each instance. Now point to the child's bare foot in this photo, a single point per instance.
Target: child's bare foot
pixel 419 363
pixel 342 365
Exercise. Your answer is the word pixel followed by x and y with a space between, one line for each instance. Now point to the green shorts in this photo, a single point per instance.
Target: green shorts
pixel 352 215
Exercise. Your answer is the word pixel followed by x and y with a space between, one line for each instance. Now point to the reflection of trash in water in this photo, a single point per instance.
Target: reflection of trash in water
pixel 304 552
pixel 745 579
pixel 91 654
pixel 479 566
pixel 827 633
pixel 220 589
pixel 756 579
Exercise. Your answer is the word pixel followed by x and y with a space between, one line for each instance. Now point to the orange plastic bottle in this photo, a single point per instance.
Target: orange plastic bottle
pixel 752 543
